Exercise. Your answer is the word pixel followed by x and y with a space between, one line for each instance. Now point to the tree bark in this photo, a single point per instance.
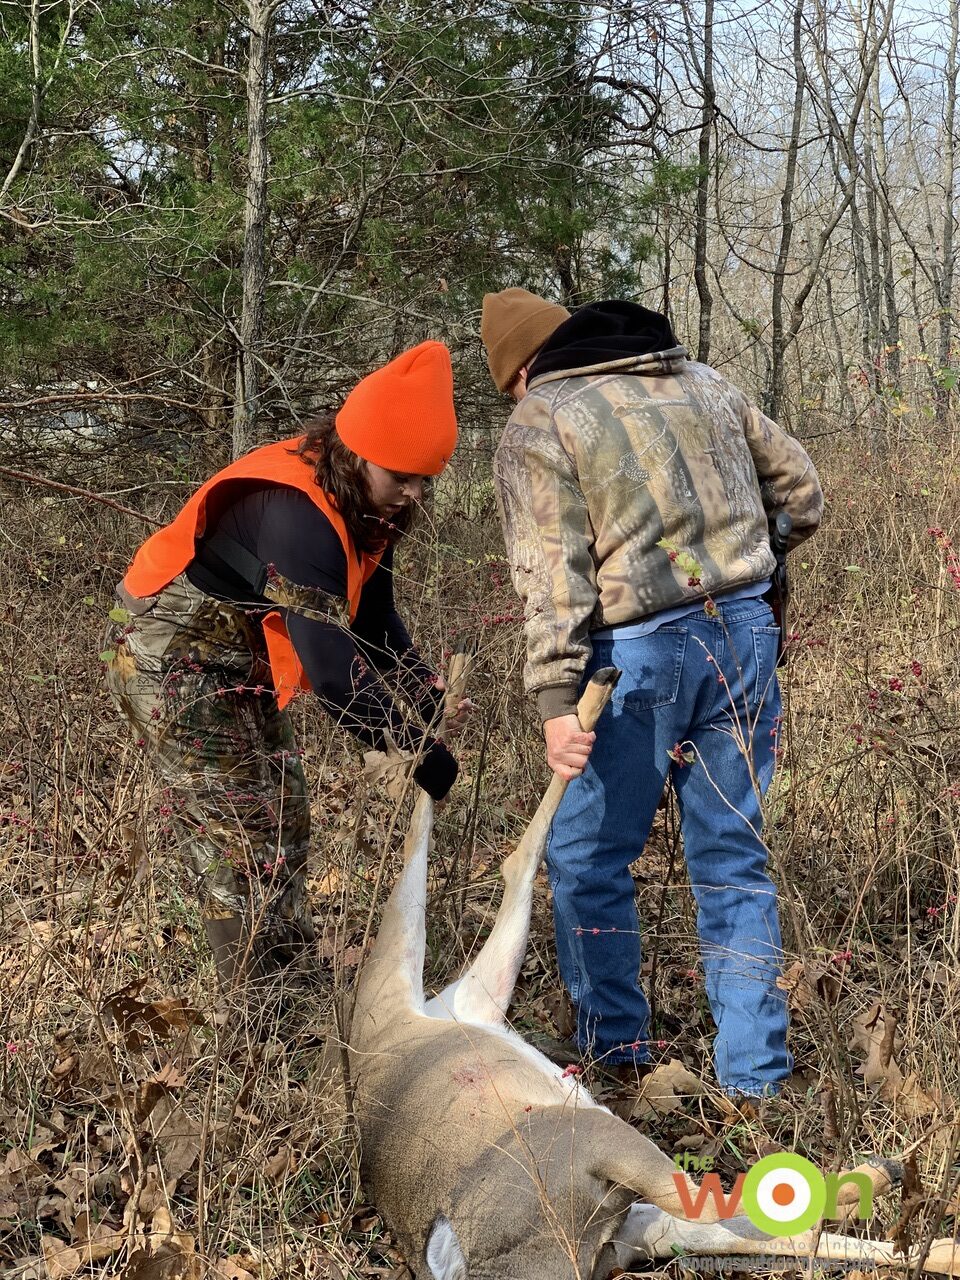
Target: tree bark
pixel 36 95
pixel 779 338
pixel 247 402
pixel 948 265
pixel 708 116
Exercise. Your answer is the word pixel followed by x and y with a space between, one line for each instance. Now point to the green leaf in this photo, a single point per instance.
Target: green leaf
pixel 853 568
pixel 117 614
pixel 108 655
pixel 88 600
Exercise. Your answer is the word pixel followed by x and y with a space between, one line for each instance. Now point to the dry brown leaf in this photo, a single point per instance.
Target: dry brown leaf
pixel 66 1260
pixel 174 1012
pixel 102 1241
pixel 170 1076
pixel 665 1089
pixel 912 1099
pixel 154 1194
pixel 329 882
pixel 149 1092
pixel 65 1067
pixel 365 1220
pixel 73 1185
pixel 691 1141
pixel 18 1167
pixel 161 1225
pixel 148 1095
pixel 30 1269
pixel 240 1266
pixel 806 981
pixel 161 1017
pixel 329 943
pixel 97 1067
pixel 246 1117
pixel 939 975
pixel 388 770
pixel 874 1033
pixel 280 1164
pixel 64 1209
pixel 135 867
pixel 178 1137
pixel 173 1259
pixel 60 1259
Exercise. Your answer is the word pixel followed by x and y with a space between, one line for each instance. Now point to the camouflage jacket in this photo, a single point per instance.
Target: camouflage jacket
pixel 634 486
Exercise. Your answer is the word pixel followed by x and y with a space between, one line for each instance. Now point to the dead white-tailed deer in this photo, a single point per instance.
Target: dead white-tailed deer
pixel 486 1159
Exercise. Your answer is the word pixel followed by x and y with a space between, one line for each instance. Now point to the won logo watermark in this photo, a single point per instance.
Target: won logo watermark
pixel 781 1195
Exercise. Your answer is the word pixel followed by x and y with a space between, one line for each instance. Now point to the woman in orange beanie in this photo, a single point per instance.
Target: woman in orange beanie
pixel 276 578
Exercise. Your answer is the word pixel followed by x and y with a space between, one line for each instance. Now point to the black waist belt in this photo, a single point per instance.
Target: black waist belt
pixel 232 556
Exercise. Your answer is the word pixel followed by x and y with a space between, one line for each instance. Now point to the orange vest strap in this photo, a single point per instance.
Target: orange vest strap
pixel 166 553
pixel 289 677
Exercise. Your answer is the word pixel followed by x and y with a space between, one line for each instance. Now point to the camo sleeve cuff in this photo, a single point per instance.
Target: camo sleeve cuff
pixel 557 700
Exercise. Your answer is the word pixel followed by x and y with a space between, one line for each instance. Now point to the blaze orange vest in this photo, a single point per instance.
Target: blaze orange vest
pixel 166 553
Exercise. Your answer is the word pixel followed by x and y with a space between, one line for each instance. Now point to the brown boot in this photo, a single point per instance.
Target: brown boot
pixel 565 1053
pixel 625 1076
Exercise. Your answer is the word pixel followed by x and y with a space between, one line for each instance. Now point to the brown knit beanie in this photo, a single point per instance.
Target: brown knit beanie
pixel 513 327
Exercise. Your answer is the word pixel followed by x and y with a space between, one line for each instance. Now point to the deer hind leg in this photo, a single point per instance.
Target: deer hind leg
pixel 392 977
pixel 647 1232
pixel 483 991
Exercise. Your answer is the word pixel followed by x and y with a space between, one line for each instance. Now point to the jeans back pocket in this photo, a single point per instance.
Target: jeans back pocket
pixel 651 669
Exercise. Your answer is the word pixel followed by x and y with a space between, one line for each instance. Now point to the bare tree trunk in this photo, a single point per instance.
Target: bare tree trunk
pixel 836 344
pixel 36 94
pixel 216 356
pixel 779 337
pixel 890 324
pixel 873 238
pixel 847 139
pixel 948 267
pixel 246 405
pixel 707 118
pixel 924 256
pixel 862 278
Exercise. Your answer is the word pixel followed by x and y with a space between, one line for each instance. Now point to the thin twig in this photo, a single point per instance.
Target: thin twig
pixel 28 478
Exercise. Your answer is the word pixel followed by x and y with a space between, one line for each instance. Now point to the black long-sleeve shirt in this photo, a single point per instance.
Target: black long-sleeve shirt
pixel 281 527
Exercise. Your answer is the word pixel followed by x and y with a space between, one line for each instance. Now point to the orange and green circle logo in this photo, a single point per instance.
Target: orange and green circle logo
pixel 784 1194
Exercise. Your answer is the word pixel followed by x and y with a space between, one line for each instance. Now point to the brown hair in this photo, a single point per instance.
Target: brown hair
pixel 339 473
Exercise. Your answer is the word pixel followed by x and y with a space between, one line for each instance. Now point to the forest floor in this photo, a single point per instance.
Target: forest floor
pixel 140 1138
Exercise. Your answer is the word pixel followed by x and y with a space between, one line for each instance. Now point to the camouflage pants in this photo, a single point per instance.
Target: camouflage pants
pixel 189 674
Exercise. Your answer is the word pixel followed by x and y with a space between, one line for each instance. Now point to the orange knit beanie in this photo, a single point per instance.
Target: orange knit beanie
pixel 401 417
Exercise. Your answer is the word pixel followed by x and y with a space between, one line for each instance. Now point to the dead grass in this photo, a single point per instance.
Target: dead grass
pixel 141 1139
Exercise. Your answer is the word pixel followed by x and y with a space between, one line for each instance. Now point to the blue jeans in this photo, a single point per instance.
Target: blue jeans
pixel 698 702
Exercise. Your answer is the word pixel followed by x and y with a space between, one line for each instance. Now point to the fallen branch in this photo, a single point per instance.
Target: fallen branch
pixel 28 478
pixel 103 397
